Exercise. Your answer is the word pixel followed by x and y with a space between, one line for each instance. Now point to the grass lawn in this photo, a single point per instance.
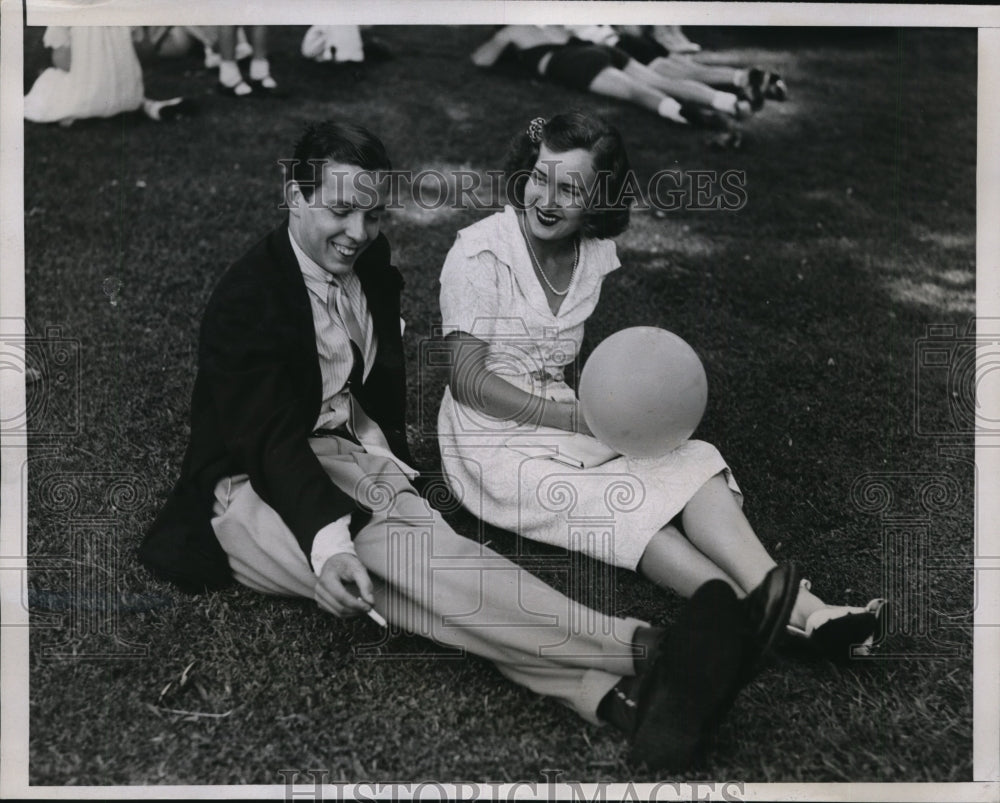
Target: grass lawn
pixel 809 307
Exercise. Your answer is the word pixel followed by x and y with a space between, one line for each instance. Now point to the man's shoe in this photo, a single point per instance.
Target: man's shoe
pixel 768 608
pixel 693 680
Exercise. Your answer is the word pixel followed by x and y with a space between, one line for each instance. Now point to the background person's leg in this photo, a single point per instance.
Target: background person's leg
pixel 684 67
pixel 260 67
pixel 684 90
pixel 230 78
pixel 613 83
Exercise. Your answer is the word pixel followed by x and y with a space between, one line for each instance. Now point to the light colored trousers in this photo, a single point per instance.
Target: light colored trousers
pixel 433 582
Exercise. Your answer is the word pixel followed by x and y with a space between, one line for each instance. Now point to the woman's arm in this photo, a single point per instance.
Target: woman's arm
pixel 475 386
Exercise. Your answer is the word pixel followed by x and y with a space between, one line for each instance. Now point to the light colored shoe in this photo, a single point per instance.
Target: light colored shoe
pixel 839 631
pixel 238 90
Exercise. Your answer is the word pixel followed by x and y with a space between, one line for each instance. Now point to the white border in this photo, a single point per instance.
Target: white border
pixel 487 12
pixel 986 636
pixel 13 659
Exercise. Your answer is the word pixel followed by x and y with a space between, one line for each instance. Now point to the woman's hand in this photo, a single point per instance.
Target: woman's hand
pixel 579 422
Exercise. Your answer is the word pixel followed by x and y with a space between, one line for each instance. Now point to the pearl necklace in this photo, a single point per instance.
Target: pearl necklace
pixel 537 264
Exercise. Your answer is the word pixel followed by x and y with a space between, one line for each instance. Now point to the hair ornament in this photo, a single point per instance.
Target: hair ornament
pixel 535 128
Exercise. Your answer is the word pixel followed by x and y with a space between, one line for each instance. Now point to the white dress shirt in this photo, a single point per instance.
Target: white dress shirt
pixel 336 359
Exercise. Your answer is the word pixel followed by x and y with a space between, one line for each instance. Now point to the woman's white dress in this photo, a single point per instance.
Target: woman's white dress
pixel 104 78
pixel 498 468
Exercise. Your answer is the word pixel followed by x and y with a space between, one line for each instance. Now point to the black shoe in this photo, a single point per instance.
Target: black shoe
pixel 183 108
pixel 693 681
pixel 704 117
pixel 757 82
pixel 776 89
pixel 841 632
pixel 767 609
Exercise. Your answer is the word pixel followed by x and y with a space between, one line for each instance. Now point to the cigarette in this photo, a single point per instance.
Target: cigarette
pixel 377 617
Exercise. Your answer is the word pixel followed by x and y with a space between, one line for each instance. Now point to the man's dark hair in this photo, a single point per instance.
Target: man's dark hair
pixel 346 143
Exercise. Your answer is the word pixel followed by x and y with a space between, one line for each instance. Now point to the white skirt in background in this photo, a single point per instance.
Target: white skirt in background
pixel 104 78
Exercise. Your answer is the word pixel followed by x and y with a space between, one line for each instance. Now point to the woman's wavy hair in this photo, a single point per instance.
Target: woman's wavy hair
pixel 608 213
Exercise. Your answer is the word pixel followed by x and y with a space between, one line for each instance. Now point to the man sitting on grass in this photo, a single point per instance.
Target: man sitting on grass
pixel 297 479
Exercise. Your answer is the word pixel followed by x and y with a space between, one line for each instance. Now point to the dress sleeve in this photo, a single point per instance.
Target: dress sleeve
pixel 470 292
pixel 56 36
pixel 608 260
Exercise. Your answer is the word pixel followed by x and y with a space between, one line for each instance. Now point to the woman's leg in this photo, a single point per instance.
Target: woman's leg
pixel 227 42
pixel 260 68
pixel 613 83
pixel 671 560
pixel 230 78
pixel 685 90
pixel 685 68
pixel 258 41
pixel 715 524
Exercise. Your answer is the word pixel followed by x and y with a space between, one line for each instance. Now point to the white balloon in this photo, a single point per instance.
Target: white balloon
pixel 643 391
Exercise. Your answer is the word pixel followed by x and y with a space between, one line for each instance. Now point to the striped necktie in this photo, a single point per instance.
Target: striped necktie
pixel 368 433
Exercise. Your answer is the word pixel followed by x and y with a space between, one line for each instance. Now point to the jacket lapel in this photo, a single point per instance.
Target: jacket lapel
pixel 296 301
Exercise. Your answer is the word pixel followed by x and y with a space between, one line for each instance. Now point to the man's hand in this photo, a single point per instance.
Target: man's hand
pixel 342 580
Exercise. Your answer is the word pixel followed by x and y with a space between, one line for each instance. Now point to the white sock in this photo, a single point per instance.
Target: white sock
pixel 259 69
pixel 724 102
pixel 229 73
pixel 670 109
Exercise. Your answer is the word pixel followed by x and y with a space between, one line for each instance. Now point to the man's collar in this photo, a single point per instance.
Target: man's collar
pixel 309 267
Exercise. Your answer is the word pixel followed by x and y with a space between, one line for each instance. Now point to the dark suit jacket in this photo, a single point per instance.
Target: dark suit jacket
pixel 256 399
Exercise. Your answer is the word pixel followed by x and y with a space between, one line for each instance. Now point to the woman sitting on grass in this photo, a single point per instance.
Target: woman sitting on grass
pixel 95 73
pixel 516 291
pixel 554 53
